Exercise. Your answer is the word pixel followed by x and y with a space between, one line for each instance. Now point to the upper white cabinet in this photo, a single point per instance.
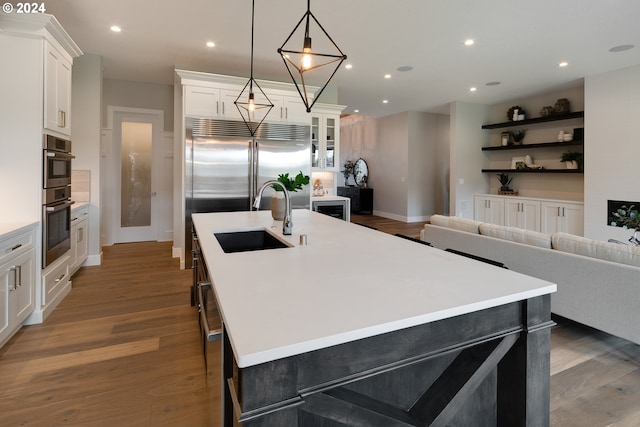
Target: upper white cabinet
pixel 211 102
pixel 57 89
pixel 288 108
pixel 325 137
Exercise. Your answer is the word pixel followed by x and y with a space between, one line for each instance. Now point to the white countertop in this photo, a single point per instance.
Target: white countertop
pixel 328 198
pixel 348 283
pixel 10 227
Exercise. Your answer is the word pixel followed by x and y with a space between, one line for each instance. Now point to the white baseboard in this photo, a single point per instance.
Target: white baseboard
pixel 93 260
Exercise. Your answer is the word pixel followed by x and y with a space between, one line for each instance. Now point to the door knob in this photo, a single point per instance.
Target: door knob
pixel 153 193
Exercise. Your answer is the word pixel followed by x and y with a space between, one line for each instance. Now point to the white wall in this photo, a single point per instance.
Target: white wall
pixel 122 93
pixel 400 151
pixel 612 147
pixel 85 131
pixel 466 140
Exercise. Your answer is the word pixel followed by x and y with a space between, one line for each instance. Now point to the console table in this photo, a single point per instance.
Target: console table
pixel 361 199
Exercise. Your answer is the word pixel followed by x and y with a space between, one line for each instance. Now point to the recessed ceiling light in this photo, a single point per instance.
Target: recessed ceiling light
pixel 492 83
pixel 356 111
pixel 387 76
pixel 563 64
pixel 468 42
pixel 405 68
pixel 211 44
pixel 385 101
pixel 621 48
pixel 473 89
pixel 116 29
pixel 348 66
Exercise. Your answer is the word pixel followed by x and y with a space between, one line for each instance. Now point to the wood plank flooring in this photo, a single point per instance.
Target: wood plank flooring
pixel 123 349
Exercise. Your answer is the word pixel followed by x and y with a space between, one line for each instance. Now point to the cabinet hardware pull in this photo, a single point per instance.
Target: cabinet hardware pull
pixel 217 107
pixel 17 277
pixel 286 113
pixel 18 246
pixel 59 279
pixel 223 108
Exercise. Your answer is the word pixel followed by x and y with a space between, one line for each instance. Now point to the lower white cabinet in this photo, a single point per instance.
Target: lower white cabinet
pixel 522 214
pixel 544 215
pixel 489 209
pixel 17 281
pixel 79 238
pixel 563 217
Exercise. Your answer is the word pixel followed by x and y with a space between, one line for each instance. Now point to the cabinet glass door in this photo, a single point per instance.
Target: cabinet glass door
pixel 331 143
pixel 315 145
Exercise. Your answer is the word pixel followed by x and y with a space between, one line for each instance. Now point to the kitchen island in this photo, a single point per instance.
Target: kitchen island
pixel 358 327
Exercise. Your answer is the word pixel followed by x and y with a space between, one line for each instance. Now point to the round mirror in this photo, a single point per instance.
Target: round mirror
pixel 361 172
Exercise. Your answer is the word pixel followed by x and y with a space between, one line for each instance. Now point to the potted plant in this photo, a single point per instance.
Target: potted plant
pixel 518 136
pixel 278 203
pixel 572 160
pixel 505 180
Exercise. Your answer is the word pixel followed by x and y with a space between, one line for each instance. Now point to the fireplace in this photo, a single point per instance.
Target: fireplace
pixel 623 214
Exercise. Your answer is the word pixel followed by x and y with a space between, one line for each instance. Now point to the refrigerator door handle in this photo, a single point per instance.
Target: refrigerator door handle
pixel 253 171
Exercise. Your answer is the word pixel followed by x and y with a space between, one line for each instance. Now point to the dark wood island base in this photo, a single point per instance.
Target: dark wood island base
pixel 484 368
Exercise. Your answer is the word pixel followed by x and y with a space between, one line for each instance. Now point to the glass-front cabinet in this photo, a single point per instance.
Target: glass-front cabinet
pixel 325 137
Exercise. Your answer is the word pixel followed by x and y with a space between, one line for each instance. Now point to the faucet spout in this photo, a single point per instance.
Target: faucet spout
pixel 287 223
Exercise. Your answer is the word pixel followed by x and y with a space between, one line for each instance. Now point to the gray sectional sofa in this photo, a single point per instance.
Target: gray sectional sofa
pixel 598 282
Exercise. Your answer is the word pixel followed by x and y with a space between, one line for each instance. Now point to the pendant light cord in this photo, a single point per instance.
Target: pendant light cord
pixel 253 7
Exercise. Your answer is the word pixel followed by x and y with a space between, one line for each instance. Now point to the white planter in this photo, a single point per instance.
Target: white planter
pixel 571 164
pixel 278 205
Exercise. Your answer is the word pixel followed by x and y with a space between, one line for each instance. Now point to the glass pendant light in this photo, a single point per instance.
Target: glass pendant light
pixel 299 62
pixel 253 111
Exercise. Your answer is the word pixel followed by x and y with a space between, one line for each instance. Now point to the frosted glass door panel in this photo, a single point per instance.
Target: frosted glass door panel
pixel 136 160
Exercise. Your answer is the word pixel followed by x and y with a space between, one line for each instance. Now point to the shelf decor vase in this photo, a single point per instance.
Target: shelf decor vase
pixel 278 205
pixel 571 164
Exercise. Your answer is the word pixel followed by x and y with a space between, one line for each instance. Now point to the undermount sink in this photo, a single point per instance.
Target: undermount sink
pixel 244 241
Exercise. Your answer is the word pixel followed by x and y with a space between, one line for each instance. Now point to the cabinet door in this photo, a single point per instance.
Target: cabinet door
pixel 82 247
pixel 562 218
pixel 294 110
pixel 523 213
pixel 16 292
pixel 316 150
pixel 57 91
pixel 573 219
pixel 202 102
pixel 330 143
pixel 489 209
pixel 228 109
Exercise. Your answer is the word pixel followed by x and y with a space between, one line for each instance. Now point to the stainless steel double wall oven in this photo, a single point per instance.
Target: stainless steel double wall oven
pixel 56 199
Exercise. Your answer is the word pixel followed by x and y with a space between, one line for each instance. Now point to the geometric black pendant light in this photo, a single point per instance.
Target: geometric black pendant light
pixel 301 62
pixel 253 105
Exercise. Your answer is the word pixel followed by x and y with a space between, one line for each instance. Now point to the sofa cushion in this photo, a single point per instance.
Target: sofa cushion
pixel 518 235
pixel 615 252
pixel 462 224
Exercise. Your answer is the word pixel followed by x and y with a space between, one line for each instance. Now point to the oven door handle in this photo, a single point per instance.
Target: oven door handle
pixel 210 335
pixel 60 155
pixel 58 206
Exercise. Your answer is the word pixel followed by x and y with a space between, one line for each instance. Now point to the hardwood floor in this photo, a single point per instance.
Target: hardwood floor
pixel 123 349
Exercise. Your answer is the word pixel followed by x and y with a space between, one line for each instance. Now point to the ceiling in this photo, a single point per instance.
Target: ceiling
pixel 517 43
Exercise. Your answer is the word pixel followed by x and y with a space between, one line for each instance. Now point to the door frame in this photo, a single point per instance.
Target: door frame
pixel 111 153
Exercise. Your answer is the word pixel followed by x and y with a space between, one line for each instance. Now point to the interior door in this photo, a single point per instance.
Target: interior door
pixel 137 170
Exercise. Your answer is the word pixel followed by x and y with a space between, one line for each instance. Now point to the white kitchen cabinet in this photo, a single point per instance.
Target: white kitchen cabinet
pixel 325 137
pixel 79 238
pixel 288 108
pixel 489 209
pixel 544 215
pixel 522 213
pixel 565 217
pixel 17 280
pixel 212 102
pixel 57 89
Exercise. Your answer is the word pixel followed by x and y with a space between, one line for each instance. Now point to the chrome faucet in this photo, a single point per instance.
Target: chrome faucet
pixel 635 239
pixel 287 224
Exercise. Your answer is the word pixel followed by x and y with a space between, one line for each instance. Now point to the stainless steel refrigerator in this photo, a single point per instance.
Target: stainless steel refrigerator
pixel 226 166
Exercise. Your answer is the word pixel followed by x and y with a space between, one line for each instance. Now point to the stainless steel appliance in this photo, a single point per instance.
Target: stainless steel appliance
pixel 56 223
pixel 225 165
pixel 57 162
